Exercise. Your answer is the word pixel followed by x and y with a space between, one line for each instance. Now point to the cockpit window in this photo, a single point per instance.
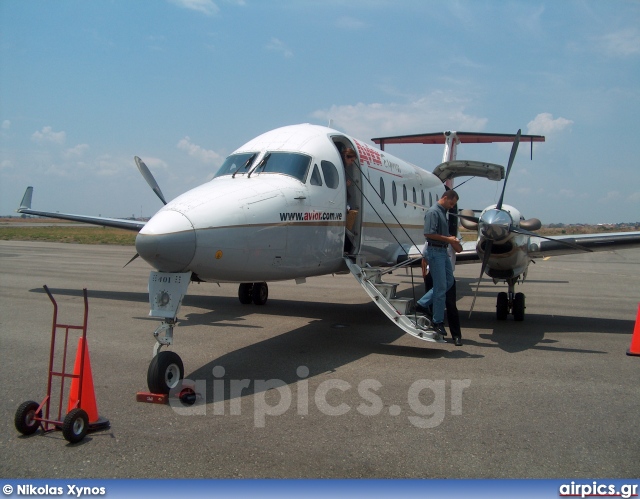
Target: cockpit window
pixel 330 174
pixel 287 163
pixel 316 179
pixel 237 163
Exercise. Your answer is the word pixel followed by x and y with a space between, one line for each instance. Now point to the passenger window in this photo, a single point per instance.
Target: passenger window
pixel 394 192
pixel 430 200
pixel 415 197
pixel 422 196
pixel 330 174
pixel 381 189
pixel 404 195
pixel 316 179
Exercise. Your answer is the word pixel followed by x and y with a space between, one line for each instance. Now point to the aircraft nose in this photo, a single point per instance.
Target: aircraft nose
pixel 167 241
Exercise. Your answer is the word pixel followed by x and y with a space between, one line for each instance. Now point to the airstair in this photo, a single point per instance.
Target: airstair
pixel 398 310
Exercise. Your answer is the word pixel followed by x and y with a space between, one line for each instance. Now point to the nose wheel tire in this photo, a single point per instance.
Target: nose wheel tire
pixel 518 307
pixel 165 372
pixel 75 425
pixel 25 418
pixel 502 306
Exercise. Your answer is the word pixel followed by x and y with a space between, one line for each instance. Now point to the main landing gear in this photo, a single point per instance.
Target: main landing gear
pixel 510 303
pixel 256 292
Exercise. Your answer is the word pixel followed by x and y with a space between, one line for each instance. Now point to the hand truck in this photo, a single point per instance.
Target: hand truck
pixel 76 422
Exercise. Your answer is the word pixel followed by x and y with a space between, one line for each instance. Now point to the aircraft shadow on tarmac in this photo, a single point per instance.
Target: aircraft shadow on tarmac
pixel 339 334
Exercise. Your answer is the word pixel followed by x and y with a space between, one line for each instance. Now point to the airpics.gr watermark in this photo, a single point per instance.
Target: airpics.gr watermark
pixel 427 399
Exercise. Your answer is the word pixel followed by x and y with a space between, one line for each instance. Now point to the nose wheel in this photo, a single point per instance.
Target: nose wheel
pixel 510 303
pixel 165 372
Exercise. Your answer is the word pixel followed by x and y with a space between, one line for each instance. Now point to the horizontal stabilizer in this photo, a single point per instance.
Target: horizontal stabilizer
pixel 464 137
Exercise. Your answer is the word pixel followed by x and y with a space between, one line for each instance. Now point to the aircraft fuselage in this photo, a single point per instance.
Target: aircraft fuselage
pixel 277 210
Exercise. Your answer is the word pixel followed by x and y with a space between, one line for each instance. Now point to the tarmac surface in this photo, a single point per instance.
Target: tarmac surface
pixel 319 383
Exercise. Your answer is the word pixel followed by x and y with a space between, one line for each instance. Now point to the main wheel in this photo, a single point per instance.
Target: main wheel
pixel 165 372
pixel 502 306
pixel 518 307
pixel 244 293
pixel 75 425
pixel 260 293
pixel 25 419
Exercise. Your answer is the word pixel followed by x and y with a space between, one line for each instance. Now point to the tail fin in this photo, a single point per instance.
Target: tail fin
pixel 26 199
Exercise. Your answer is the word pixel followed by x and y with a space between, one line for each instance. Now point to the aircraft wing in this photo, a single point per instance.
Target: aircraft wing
pixel 540 247
pixel 120 223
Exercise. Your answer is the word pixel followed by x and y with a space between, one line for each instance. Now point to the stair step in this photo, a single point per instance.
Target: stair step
pixel 388 290
pixel 402 305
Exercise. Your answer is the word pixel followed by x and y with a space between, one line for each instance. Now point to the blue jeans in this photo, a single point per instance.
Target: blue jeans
pixel 442 274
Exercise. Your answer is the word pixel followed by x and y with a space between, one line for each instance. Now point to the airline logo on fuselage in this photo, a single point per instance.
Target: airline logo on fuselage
pixel 310 216
pixel 373 157
pixel 368 154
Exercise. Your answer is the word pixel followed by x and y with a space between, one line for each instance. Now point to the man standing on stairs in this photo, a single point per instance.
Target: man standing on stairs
pixel 438 239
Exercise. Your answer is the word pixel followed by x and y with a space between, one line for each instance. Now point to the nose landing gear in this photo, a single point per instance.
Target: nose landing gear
pixel 510 303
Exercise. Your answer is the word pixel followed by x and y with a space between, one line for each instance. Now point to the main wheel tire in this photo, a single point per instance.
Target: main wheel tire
pixel 518 307
pixel 502 306
pixel 25 418
pixel 245 293
pixel 75 425
pixel 260 293
pixel 165 372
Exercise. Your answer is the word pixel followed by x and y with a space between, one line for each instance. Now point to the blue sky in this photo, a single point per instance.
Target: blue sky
pixel 86 85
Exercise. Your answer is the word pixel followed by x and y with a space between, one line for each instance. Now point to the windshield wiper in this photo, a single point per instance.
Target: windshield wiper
pixel 246 165
pixel 262 164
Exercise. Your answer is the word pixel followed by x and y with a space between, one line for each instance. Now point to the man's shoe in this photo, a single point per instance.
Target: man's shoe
pixel 438 327
pixel 457 341
pixel 423 310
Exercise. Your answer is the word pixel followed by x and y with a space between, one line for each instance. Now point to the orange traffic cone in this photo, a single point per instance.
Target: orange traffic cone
pixel 634 349
pixel 87 396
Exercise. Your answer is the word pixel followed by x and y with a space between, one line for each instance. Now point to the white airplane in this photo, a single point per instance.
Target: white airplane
pixel 506 243
pixel 277 210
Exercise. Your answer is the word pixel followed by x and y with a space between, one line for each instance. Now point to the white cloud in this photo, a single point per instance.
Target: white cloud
pixel 5 164
pixel 48 135
pixel 544 124
pixel 610 197
pixel 204 155
pixel 437 111
pixel 77 151
pixel 206 7
pixel 634 197
pixel 6 124
pixel 277 45
pixel 622 43
pixel 349 23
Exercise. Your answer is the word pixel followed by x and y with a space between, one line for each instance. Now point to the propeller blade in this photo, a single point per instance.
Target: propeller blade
pixel 519 230
pixel 134 257
pixel 466 217
pixel 512 156
pixel 149 178
pixel 485 261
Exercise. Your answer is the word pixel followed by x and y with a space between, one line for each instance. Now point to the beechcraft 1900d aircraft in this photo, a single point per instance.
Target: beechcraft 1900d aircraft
pixel 506 242
pixel 277 210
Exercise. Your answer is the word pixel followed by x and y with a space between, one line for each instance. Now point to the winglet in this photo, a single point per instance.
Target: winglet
pixel 25 204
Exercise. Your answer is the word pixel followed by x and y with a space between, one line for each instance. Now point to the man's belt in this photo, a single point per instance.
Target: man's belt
pixel 438 244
